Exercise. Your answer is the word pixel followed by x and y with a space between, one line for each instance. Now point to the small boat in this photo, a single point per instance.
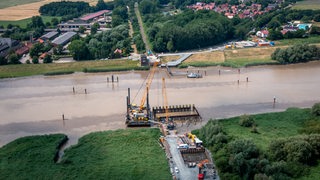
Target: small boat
pixel 194 75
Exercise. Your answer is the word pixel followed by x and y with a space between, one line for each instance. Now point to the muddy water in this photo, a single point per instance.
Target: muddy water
pixel 35 105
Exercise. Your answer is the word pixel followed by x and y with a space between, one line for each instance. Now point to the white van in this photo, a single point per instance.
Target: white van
pixel 176 169
pixel 183 146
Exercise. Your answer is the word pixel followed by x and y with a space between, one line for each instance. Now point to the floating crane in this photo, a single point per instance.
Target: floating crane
pixel 141 115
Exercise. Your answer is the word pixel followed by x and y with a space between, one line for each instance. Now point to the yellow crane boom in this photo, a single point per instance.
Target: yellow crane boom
pixel 148 84
pixel 165 99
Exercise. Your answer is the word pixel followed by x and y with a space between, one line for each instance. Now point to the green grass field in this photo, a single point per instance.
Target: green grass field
pixel 310 40
pixel 307 4
pixel 122 154
pixel 39 69
pixel 9 3
pixel 270 126
pixel 24 22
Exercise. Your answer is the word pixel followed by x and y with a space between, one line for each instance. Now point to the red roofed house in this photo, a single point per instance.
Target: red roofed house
pixel 24 49
pixel 209 6
pixel 263 33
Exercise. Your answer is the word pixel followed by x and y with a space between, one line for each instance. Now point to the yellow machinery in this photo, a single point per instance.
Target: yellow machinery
pixel 170 124
pixel 165 100
pixel 140 115
pixel 148 84
pixel 192 137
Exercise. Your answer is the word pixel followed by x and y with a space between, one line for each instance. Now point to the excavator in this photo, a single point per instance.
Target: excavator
pixel 201 167
pixel 140 115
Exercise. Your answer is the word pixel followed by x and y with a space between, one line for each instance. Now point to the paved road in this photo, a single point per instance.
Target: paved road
pixel 143 34
pixel 184 173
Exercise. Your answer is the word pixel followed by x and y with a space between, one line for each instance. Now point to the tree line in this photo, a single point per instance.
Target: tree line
pixel 296 54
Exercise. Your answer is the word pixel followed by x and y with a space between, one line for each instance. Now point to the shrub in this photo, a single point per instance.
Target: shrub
pixel 246 121
pixel 254 129
pixel 58 73
pixel 316 109
pixel 35 60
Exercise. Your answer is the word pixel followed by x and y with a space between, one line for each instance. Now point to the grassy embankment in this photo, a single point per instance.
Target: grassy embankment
pixel 272 126
pixel 243 57
pixel 91 66
pixel 307 4
pixel 121 154
pixel 24 22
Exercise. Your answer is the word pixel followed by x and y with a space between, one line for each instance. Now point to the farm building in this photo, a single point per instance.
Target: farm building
pixel 95 15
pixel 73 25
pixel 6 44
pixel 64 38
pixel 49 36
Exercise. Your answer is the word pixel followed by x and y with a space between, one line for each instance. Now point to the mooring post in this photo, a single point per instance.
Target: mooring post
pixel 85 91
pixel 117 79
pixel 205 73
pixel 107 79
pixel 238 82
pixel 73 90
pixel 238 71
pixel 219 72
pixel 112 78
pixel 63 117
pixel 274 99
pixel 247 79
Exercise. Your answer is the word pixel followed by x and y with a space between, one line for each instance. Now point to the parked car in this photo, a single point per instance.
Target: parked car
pixel 176 169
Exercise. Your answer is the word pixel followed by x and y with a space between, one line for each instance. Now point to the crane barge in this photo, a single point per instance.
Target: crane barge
pixel 141 115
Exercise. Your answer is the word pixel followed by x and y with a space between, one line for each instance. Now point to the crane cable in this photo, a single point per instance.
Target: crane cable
pixel 142 84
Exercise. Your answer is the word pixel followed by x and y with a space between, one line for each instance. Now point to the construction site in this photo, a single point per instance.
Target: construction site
pixel 185 152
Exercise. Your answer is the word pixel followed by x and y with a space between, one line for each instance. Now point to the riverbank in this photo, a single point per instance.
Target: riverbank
pixel 21 70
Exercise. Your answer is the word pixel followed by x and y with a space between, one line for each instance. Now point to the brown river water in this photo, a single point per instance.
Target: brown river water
pixel 35 105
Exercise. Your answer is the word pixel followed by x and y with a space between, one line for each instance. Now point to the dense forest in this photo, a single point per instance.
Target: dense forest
pixel 66 8
pixel 188 30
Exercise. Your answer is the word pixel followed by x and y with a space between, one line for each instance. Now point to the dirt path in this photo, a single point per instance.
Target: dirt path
pixel 131 35
pixel 143 34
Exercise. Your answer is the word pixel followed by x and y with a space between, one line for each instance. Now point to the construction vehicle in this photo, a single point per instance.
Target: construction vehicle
pixel 192 137
pixel 140 115
pixel 201 167
pixel 169 121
